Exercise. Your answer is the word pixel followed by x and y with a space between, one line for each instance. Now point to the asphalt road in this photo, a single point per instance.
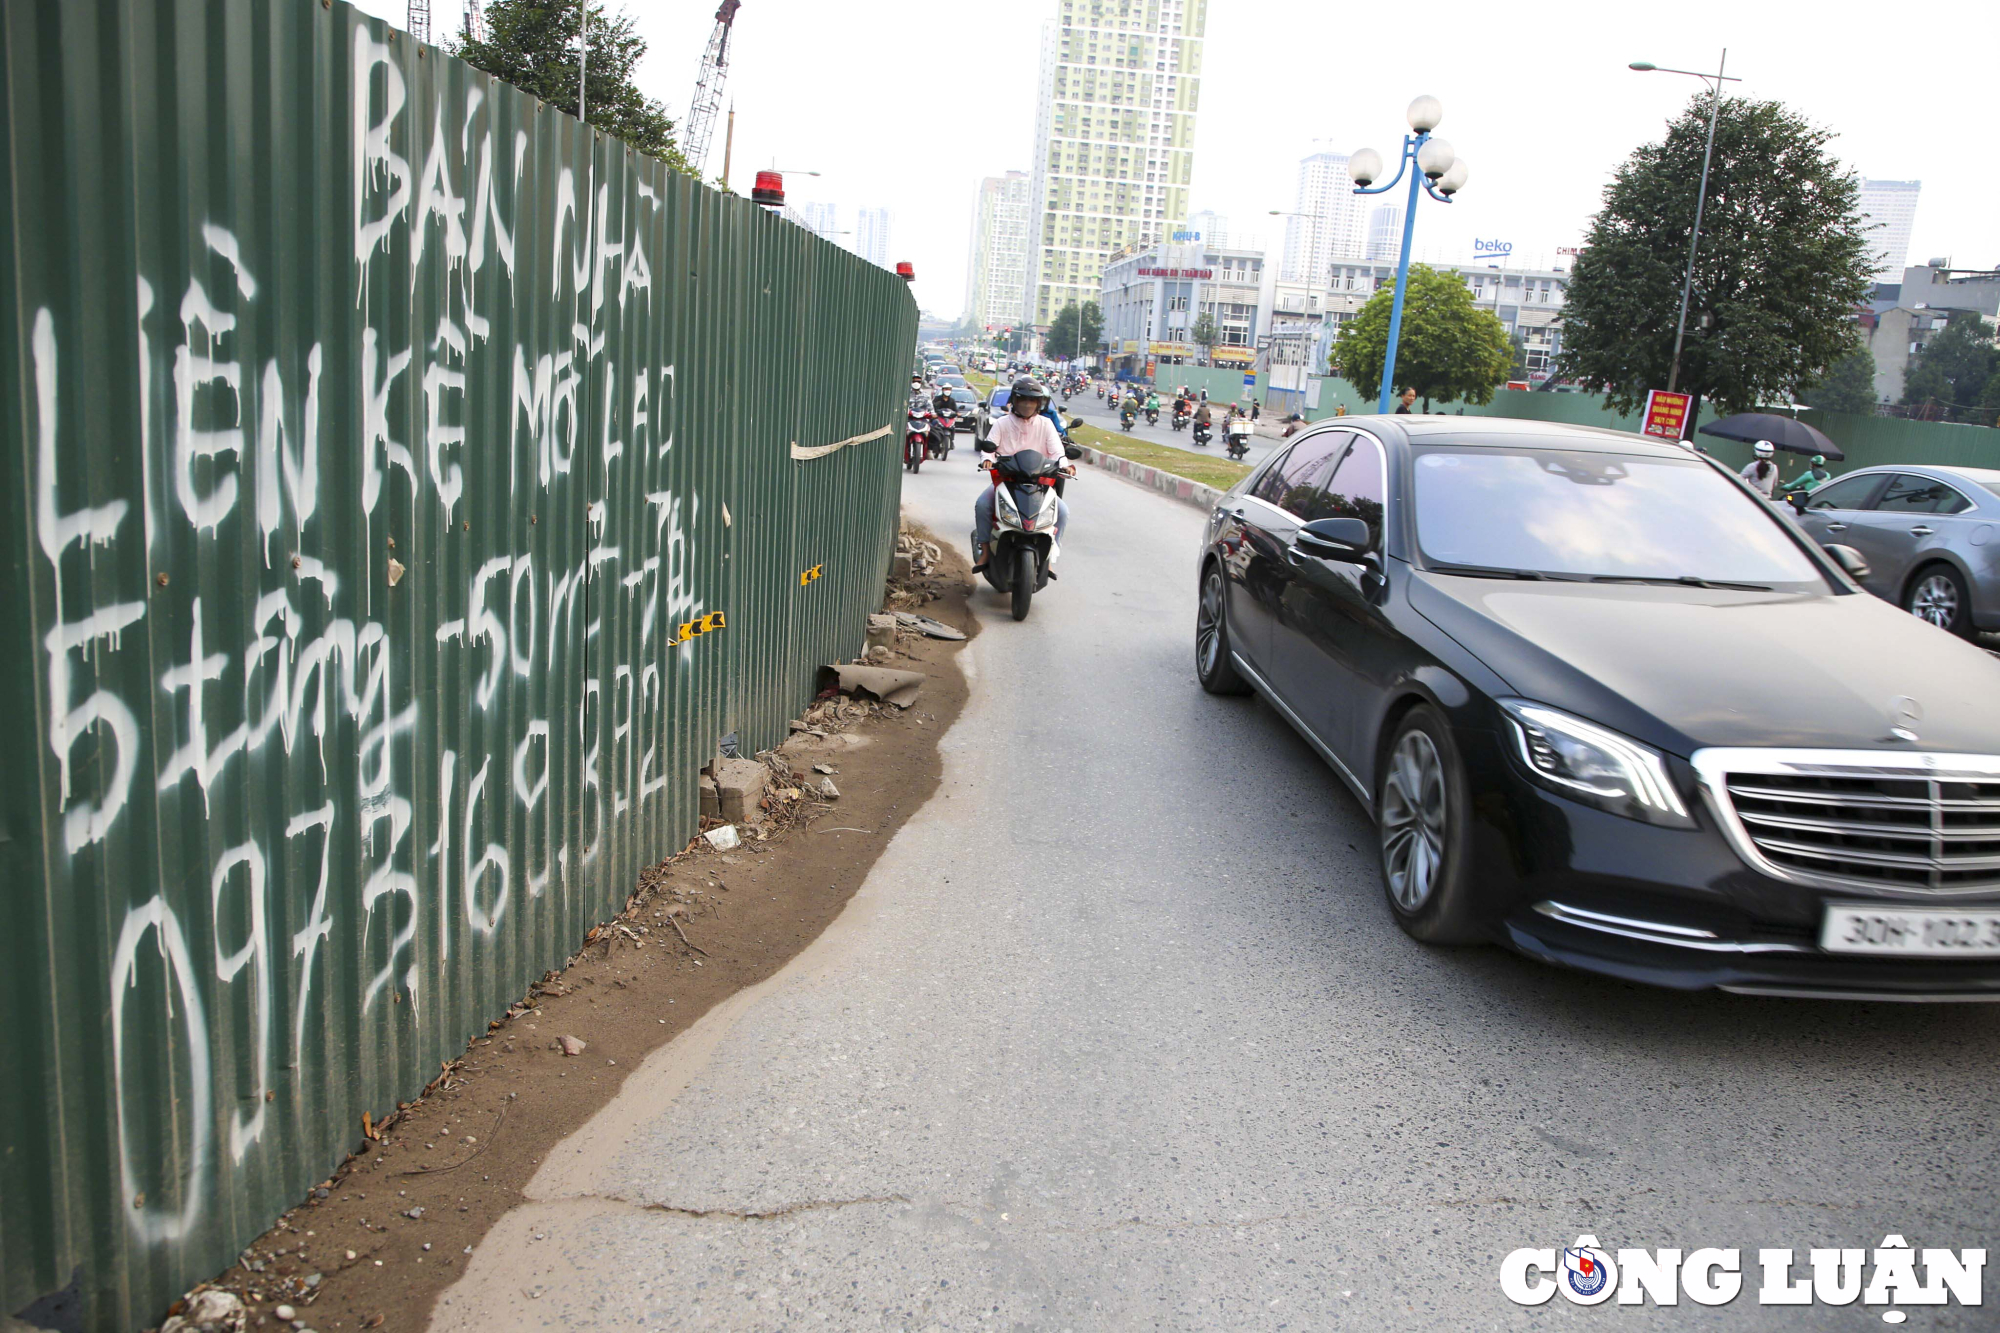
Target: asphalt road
pixel 1119 1034
pixel 1099 413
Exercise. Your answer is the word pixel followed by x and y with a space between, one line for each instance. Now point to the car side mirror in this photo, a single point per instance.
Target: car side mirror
pixel 1798 501
pixel 1850 560
pixel 1339 538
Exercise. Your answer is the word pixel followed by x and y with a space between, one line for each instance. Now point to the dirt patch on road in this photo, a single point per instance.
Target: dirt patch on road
pixel 375 1245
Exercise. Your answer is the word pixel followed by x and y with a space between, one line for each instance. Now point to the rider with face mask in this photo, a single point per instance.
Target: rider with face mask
pixel 1024 427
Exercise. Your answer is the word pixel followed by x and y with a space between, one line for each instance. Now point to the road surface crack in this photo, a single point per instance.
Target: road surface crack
pixel 770 1214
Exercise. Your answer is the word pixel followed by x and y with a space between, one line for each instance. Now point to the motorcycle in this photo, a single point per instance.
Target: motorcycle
pixel 1100 393
pixel 1201 434
pixel 1181 420
pixel 1152 416
pixel 1126 416
pixel 943 426
pixel 916 438
pixel 1021 560
pixel 1238 443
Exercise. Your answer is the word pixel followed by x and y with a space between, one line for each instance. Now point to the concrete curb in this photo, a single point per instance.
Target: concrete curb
pixel 1168 484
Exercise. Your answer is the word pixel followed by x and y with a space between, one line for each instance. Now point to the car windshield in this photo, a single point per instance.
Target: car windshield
pixel 1581 514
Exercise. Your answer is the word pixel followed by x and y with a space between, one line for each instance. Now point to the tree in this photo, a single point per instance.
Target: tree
pixel 1065 340
pixel 532 44
pixel 1953 370
pixel 1519 370
pixel 1203 332
pixel 1783 262
pixel 1849 385
pixel 1449 348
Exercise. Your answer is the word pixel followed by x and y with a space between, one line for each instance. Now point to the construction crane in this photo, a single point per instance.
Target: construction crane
pixel 420 20
pixel 708 87
pixel 475 21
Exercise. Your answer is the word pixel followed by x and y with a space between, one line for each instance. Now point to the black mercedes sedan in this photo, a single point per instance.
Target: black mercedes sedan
pixel 1610 708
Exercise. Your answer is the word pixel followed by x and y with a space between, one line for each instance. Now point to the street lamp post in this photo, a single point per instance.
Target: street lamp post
pixel 1715 81
pixel 1312 282
pixel 1441 173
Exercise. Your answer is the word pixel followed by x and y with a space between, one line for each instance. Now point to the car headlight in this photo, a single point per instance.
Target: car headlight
pixel 1587 763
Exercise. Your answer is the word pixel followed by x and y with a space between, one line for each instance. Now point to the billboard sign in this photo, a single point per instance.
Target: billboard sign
pixel 1666 415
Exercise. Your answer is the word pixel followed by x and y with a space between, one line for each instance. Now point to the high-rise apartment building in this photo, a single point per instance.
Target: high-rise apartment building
pixel 1890 207
pixel 997 280
pixel 1334 224
pixel 1209 228
pixel 1114 138
pixel 821 220
pixel 871 235
pixel 1385 232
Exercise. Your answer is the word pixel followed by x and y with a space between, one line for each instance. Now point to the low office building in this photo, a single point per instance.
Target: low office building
pixel 1154 296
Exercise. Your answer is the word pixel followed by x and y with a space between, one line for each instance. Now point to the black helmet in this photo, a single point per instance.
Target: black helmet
pixel 1028 387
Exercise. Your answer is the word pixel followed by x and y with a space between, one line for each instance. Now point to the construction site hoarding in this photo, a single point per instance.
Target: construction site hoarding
pixel 405 489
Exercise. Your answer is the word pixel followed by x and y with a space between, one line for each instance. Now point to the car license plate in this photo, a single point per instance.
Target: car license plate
pixel 1932 932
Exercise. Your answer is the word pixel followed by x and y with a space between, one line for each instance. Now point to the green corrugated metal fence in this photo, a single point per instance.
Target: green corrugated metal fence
pixel 371 433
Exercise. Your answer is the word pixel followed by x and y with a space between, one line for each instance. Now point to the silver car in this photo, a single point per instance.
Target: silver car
pixel 1931 536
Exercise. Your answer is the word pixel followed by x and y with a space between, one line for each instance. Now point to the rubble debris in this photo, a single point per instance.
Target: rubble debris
pixel 891 687
pixel 724 839
pixel 935 629
pixel 827 791
pixel 882 631
pixel 711 801
pixel 571 1045
pixel 739 783
pixel 208 1311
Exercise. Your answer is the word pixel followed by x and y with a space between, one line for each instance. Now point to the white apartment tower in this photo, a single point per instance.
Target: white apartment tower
pixel 871 235
pixel 999 272
pixel 1335 221
pixel 1892 207
pixel 1385 232
pixel 1114 138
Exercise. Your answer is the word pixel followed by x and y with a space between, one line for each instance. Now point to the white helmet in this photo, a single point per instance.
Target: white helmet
pixel 1763 449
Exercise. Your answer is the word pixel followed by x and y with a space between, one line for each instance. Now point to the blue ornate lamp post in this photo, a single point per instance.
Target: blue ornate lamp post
pixel 1441 174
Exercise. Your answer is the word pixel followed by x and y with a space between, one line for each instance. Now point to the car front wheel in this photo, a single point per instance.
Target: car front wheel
pixel 1212 666
pixel 1938 595
pixel 1422 819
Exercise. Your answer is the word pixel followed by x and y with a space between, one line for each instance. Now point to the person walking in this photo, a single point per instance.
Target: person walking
pixel 1255 409
pixel 1408 403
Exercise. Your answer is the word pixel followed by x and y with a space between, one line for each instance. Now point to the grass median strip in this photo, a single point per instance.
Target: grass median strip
pixel 1217 472
pixel 981 384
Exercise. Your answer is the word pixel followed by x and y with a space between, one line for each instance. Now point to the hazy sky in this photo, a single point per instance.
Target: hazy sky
pixel 905 104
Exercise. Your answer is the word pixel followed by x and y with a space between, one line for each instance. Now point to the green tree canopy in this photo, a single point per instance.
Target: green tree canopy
pixel 1783 261
pixel 1065 340
pixel 1953 370
pixel 1849 386
pixel 532 44
pixel 1449 348
pixel 1203 332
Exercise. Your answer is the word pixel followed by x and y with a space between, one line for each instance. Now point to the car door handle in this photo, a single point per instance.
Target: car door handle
pixel 1922 531
pixel 1836 527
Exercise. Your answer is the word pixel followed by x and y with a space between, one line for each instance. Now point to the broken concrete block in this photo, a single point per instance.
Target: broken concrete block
pixel 827 791
pixel 723 839
pixel 711 800
pixel 738 785
pixel 899 568
pixel 571 1045
pixel 881 631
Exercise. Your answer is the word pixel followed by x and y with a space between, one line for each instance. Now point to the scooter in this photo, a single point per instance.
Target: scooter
pixel 916 439
pixel 1126 416
pixel 1152 416
pixel 1021 560
pixel 1181 420
pixel 1202 434
pixel 1238 443
pixel 942 428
